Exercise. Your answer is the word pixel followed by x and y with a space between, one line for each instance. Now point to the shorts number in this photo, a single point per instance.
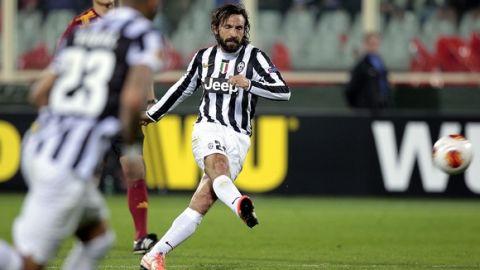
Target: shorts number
pixel 219 146
pixel 83 87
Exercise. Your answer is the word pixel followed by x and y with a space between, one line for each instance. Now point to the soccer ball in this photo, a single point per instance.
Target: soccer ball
pixel 452 154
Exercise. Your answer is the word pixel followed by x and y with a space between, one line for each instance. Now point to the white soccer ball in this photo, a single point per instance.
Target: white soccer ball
pixel 452 154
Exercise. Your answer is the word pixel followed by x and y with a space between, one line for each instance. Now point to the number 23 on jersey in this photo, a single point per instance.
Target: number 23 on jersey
pixel 82 87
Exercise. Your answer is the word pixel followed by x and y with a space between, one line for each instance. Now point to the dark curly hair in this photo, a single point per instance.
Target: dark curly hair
pixel 221 14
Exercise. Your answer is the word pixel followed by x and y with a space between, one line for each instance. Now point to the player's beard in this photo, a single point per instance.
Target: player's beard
pixel 229 45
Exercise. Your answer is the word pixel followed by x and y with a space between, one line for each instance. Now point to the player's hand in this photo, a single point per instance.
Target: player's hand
pixel 239 81
pixel 151 102
pixel 144 119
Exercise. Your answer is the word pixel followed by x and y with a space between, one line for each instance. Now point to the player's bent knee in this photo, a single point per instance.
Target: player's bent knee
pixel 216 165
pixel 221 167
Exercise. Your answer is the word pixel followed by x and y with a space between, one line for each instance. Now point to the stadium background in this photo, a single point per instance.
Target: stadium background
pixel 432 49
pixel 334 188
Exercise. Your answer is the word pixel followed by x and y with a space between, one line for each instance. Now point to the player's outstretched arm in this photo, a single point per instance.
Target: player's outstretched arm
pixel 175 95
pixel 41 88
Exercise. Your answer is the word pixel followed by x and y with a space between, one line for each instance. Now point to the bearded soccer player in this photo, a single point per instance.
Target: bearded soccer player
pixel 233 75
pixel 133 169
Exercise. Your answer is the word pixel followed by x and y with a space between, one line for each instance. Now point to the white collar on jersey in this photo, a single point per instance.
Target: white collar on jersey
pixel 229 56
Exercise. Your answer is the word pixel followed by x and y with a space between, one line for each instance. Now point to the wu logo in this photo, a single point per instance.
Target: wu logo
pixel 398 162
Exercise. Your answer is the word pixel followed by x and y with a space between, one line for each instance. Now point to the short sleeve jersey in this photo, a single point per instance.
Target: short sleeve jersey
pixel 94 62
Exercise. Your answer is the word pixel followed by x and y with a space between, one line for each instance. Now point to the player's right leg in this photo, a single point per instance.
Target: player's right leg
pixel 221 152
pixel 137 196
pixel 182 227
pixel 133 170
pixel 216 166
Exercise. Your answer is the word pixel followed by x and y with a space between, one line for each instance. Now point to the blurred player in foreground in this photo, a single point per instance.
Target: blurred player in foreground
pixel 233 75
pixel 133 169
pixel 95 88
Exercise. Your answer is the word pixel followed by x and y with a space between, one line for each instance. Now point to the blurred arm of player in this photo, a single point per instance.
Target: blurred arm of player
pixel 41 89
pixel 138 86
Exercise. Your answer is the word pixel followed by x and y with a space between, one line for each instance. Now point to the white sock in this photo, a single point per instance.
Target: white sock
pixel 9 258
pixel 182 227
pixel 86 256
pixel 226 191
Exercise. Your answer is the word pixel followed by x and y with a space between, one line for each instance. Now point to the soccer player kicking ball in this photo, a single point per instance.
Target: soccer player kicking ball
pixel 95 87
pixel 233 75
pixel 133 168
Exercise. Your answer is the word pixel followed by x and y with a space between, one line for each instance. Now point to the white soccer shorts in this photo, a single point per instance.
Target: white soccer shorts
pixel 56 205
pixel 210 138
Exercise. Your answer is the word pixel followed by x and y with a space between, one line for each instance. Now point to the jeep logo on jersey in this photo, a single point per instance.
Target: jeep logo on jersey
pixel 215 85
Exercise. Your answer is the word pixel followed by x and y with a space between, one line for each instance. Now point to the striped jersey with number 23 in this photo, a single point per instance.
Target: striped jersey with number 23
pixel 82 115
pixel 222 103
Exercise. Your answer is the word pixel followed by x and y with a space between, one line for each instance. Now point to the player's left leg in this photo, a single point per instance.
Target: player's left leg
pixel 95 240
pixel 182 227
pixel 137 196
pixel 186 223
pixel 94 235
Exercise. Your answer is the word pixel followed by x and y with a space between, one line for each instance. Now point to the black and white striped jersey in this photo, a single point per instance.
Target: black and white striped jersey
pixel 94 61
pixel 82 115
pixel 221 103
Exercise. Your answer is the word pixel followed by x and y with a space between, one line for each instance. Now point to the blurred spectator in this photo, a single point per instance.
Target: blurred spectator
pixel 281 6
pixel 74 5
pixel 368 86
pixel 352 7
pixel 28 5
pixel 169 13
pixel 61 4
pixel 463 6
pixel 219 3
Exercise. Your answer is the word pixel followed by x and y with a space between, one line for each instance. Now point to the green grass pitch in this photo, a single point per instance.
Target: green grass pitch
pixel 302 233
